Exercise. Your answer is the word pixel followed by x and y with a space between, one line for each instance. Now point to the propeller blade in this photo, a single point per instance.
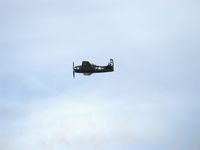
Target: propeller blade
pixel 73 71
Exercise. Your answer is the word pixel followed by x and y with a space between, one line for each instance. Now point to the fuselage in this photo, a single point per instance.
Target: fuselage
pixel 93 69
pixel 87 69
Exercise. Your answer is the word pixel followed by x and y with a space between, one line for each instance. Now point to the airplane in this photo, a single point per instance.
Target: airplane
pixel 87 68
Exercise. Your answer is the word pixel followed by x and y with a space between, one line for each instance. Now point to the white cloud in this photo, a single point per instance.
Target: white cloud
pixel 149 102
pixel 95 122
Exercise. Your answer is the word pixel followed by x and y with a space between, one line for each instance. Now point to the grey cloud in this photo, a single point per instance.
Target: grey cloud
pixel 155 86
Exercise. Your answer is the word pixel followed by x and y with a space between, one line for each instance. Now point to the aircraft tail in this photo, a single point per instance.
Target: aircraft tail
pixel 111 64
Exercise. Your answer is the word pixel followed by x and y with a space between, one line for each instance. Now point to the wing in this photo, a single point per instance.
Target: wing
pixel 86 66
pixel 87 74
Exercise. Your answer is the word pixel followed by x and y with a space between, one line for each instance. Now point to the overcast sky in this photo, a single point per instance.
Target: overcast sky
pixel 151 100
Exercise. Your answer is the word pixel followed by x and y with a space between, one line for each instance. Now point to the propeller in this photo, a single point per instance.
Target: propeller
pixel 73 71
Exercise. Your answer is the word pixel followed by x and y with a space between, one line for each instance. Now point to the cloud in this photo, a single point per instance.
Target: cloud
pixel 91 121
pixel 149 102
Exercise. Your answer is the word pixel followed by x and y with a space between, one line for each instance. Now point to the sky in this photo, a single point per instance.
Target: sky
pixel 151 100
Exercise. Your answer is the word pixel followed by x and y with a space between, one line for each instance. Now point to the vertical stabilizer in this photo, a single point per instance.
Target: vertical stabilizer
pixel 111 64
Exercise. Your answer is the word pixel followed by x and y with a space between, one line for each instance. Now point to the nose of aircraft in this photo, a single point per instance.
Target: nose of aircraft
pixel 76 68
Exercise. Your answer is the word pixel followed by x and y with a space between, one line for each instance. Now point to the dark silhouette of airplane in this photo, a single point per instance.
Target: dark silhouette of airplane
pixel 87 68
